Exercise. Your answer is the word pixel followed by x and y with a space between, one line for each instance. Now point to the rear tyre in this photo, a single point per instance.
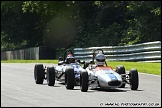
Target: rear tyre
pixel 133 74
pixel 39 74
pixel 50 76
pixel 84 81
pixel 69 78
pixel 121 70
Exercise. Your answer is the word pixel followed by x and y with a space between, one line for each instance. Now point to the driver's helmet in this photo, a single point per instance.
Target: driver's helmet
pixel 100 59
pixel 70 59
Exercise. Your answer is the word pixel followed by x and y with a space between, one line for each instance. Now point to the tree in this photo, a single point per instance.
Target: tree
pixel 70 24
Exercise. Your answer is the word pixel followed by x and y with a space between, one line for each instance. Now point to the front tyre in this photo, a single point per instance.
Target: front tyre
pixel 121 70
pixel 39 74
pixel 50 76
pixel 84 81
pixel 69 78
pixel 133 74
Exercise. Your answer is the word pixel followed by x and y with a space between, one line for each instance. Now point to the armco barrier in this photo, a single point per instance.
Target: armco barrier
pixel 144 52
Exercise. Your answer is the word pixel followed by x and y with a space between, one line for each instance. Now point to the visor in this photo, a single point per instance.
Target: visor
pixel 100 60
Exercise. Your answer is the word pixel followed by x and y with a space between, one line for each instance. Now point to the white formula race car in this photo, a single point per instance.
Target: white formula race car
pixel 106 76
pixel 67 73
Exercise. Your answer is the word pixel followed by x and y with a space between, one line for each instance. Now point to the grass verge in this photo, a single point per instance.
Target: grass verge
pixel 29 61
pixel 150 68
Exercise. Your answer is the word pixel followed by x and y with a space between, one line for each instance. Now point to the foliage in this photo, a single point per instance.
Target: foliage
pixel 69 24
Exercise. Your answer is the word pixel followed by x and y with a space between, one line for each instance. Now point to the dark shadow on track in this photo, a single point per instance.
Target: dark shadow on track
pixel 105 90
pixel 49 86
pixel 110 90
pixel 137 90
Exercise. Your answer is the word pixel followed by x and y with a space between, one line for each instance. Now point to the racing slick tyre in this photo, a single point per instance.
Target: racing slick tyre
pixel 133 74
pixel 84 81
pixel 39 73
pixel 50 76
pixel 69 78
pixel 121 70
pixel 86 65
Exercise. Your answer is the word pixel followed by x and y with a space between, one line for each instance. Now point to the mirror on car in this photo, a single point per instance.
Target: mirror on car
pixel 60 62
pixel 83 62
pixel 60 59
pixel 91 62
pixel 78 60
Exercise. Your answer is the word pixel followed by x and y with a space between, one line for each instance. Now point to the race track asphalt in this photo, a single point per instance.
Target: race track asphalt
pixel 18 89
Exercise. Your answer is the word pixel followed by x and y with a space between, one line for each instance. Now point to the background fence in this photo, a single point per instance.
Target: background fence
pixel 34 53
pixel 145 52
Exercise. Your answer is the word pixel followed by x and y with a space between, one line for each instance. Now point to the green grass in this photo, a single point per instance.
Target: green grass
pixel 151 68
pixel 29 61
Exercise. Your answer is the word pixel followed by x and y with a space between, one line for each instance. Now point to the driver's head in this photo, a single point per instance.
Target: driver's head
pixel 100 59
pixel 70 59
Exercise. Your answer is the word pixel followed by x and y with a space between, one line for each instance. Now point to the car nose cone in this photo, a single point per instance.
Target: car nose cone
pixel 114 83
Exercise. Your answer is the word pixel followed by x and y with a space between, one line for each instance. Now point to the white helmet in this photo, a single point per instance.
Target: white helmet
pixel 70 59
pixel 100 59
